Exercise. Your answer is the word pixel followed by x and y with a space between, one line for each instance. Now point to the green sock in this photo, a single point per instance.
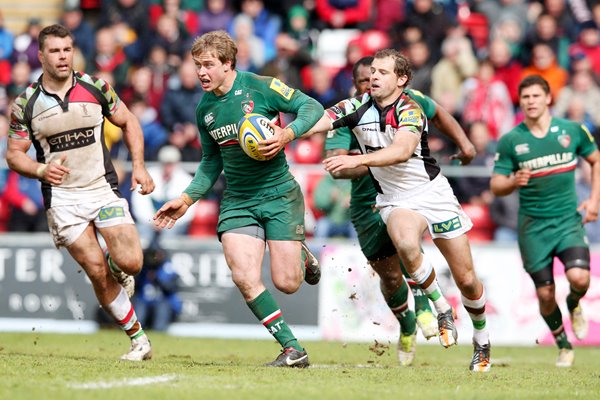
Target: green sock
pixel 554 322
pixel 573 298
pixel 265 308
pixel 398 303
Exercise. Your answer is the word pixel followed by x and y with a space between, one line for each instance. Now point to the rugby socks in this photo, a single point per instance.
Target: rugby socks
pixel 265 308
pixel 425 277
pixel 554 322
pixel 573 298
pixel 476 310
pixel 123 313
pixel 421 300
pixel 398 303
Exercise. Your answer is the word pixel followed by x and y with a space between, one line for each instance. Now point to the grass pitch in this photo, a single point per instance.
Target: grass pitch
pixel 52 366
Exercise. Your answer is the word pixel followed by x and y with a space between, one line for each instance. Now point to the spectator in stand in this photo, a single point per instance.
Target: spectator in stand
pixel 559 9
pixel 20 79
pixel 156 301
pixel 110 57
pixel 161 70
pixel 588 43
pixel 242 30
pixel 155 135
pixel 576 111
pixel 546 31
pixel 82 30
pixel 419 55
pixel 170 179
pixel 389 13
pixel 134 16
pixel 26 47
pixel 216 16
pixel 24 196
pixel 143 86
pixel 171 36
pixel 321 89
pixel 584 89
pixel 266 25
pixel 6 49
pixel 185 138
pixel 342 81
pixel 543 63
pixel 187 18
pixel 434 24
pixel 343 14
pixel 457 64
pixel 505 67
pixel 504 211
pixel 298 27
pixel 476 190
pixel 486 99
pixel 179 102
pixel 332 196
pixel 290 61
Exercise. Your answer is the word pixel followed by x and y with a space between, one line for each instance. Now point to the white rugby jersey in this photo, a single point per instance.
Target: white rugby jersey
pixel 73 126
pixel 375 129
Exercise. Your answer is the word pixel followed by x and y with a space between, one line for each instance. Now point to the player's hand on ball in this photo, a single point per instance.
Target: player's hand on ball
pixel 169 213
pixel 270 147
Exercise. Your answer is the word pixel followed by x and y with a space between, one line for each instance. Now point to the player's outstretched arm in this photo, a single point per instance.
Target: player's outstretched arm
pixel 171 211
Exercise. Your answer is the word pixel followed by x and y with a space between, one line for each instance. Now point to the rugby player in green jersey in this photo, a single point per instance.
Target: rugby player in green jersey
pixel 263 202
pixel 374 240
pixel 538 158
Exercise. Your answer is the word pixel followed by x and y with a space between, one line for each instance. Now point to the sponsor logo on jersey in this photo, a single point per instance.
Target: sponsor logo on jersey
pixel 226 132
pixel 209 119
pixel 247 106
pixel 281 88
pixel 72 139
pixel 554 129
pixel 447 226
pixel 111 212
pixel 238 92
pixel 522 148
pixel 410 117
pixel 84 109
pixel 564 139
pixel 546 161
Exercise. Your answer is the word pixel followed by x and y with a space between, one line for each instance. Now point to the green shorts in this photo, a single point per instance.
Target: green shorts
pixel 373 237
pixel 278 210
pixel 541 239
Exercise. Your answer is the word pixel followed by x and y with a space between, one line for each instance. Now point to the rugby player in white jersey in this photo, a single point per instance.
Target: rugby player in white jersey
pixel 62 115
pixel 413 195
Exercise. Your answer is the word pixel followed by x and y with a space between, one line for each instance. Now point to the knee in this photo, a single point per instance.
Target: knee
pixel 469 285
pixel 130 262
pixel 580 282
pixel 287 285
pixel 408 252
pixel 546 299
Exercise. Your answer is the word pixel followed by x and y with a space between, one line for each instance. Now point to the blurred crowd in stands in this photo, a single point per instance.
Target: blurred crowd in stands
pixel 468 55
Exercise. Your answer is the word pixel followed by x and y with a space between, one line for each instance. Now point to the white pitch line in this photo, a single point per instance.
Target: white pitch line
pixel 148 380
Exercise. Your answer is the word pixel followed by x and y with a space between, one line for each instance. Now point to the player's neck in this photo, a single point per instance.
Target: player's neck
pixel 227 84
pixel 383 103
pixel 539 126
pixel 57 87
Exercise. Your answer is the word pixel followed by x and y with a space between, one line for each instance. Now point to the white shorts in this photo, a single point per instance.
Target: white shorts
pixel 68 222
pixel 436 203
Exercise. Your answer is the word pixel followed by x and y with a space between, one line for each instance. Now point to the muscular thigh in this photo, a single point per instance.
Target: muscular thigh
pixel 87 252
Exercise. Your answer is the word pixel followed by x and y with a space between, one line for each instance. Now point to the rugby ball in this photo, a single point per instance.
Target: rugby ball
pixel 253 128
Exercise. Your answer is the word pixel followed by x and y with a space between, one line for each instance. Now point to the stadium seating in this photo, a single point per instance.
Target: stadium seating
pixel 483 225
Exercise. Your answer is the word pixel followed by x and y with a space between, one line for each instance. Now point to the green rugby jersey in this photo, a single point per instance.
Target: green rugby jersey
pixel 217 118
pixel 552 161
pixel 363 191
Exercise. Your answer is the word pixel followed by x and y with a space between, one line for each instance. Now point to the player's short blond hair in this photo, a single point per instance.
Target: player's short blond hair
pixel 219 44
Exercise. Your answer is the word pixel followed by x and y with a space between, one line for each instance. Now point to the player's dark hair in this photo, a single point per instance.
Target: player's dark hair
pixel 363 62
pixel 219 43
pixel 56 30
pixel 402 65
pixel 532 80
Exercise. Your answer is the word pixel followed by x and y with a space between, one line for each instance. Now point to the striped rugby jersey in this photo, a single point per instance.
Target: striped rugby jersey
pixel 73 127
